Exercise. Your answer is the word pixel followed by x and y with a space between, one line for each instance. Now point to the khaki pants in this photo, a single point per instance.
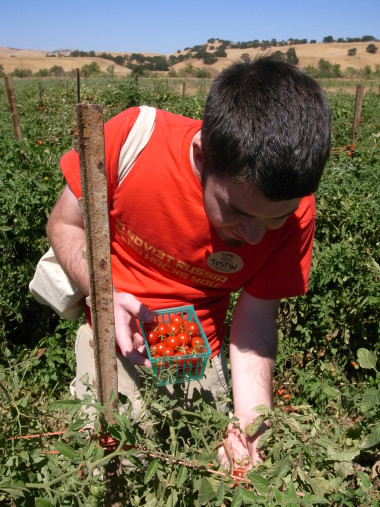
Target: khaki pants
pixel 213 387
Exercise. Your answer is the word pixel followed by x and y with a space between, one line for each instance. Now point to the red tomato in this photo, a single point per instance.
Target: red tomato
pixel 160 347
pixel 196 362
pixel 191 328
pixel 174 329
pixel 238 475
pixel 179 361
pixel 176 319
pixel 172 341
pixel 162 329
pixel 153 338
pixel 197 343
pixel 168 351
pixel 184 339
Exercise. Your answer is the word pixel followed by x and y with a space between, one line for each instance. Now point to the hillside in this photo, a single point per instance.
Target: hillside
pixel 308 54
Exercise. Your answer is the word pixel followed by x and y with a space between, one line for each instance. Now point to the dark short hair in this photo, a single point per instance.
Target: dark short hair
pixel 267 123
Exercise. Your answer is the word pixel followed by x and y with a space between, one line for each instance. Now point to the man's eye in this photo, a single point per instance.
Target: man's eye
pixel 233 211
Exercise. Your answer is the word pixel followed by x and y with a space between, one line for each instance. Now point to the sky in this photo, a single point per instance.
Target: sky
pixel 165 26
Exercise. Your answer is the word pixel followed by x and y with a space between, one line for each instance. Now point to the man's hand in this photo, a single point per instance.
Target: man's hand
pixel 128 337
pixel 240 450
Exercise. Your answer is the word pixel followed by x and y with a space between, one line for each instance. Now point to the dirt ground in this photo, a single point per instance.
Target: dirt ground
pixel 308 54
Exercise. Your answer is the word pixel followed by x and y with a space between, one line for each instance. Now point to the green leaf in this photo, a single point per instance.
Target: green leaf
pixel 250 497
pixel 41 502
pixel 181 477
pixel 220 494
pixel 151 471
pixel 237 499
pixel 310 499
pixel 252 428
pixel 67 404
pixel 364 479
pixel 206 492
pixel 259 483
pixel 347 455
pixel 282 468
pixel 65 449
pixel 372 439
pixel 367 359
pixel 262 410
pixel 371 399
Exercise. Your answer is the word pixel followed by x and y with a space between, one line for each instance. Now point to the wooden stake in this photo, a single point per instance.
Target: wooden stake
pixel 13 108
pixel 95 207
pixel 77 88
pixel 358 110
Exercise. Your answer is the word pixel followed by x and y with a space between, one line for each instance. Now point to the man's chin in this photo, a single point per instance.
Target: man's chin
pixel 230 241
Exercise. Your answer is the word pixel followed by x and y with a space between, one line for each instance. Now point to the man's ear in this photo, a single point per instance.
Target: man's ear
pixel 197 156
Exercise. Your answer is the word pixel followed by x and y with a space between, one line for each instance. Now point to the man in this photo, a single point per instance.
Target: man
pixel 209 208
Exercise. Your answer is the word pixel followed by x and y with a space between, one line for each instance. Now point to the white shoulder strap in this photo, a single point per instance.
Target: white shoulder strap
pixel 136 140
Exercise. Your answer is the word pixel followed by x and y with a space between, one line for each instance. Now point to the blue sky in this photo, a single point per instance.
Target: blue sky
pixel 164 26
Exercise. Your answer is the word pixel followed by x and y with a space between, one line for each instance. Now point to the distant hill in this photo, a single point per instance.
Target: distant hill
pixel 308 54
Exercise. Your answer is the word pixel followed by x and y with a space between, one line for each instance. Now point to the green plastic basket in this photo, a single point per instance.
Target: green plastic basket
pixel 180 368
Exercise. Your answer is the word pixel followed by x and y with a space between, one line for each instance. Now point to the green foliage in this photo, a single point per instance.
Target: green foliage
pixel 91 69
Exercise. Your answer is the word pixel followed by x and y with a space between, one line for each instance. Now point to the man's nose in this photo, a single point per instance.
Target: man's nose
pixel 252 230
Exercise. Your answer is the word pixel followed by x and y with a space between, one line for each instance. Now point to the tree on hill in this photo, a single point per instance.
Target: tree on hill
pixel 351 52
pixel 91 69
pixel 328 38
pixel 291 56
pixel 371 48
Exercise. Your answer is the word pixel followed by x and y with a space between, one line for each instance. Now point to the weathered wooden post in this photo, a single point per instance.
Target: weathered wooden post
pixel 98 253
pixel 77 85
pixel 358 110
pixel 13 108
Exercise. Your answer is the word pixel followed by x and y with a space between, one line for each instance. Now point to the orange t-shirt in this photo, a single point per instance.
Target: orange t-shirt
pixel 164 250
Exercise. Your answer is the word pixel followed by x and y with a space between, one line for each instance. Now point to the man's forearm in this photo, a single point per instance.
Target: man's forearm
pixel 69 246
pixel 253 347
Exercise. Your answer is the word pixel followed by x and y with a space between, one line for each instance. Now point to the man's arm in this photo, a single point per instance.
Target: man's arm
pixel 65 230
pixel 66 234
pixel 253 348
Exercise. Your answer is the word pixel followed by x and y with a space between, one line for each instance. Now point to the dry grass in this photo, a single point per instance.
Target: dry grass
pixel 308 54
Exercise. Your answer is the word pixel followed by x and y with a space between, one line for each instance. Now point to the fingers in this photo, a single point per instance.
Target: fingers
pixel 133 306
pixel 127 308
pixel 238 451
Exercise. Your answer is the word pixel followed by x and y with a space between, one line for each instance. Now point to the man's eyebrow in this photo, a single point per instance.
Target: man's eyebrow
pixel 254 216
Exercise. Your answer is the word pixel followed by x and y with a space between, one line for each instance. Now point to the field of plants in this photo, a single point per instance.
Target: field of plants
pixel 323 447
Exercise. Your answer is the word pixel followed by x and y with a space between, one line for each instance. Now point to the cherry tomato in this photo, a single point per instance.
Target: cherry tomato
pixel 176 319
pixel 160 347
pixel 174 329
pixel 178 361
pixel 162 329
pixel 172 341
pixel 196 363
pixel 197 343
pixel 184 339
pixel 191 328
pixel 168 351
pixel 238 475
pixel 153 337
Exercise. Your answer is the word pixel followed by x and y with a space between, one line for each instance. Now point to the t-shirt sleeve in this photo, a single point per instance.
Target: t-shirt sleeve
pixel 116 131
pixel 287 269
